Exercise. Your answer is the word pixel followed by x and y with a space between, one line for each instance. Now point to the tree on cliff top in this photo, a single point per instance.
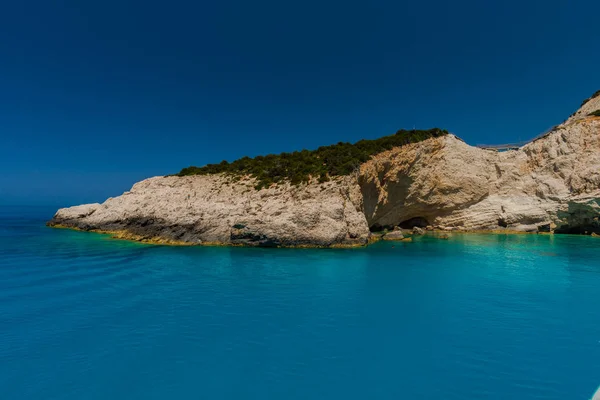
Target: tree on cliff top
pixel 326 161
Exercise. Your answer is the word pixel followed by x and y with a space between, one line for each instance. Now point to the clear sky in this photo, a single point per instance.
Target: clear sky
pixel 97 95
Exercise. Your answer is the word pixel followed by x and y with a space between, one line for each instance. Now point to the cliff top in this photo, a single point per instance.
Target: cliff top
pixel 589 107
pixel 324 162
pixel 343 158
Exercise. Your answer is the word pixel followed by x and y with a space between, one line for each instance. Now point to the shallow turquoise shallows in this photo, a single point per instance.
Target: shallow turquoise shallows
pixel 83 316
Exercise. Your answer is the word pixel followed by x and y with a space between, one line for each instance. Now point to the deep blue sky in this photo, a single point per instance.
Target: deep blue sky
pixel 97 95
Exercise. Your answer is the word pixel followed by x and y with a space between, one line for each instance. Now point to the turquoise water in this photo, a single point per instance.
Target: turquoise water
pixel 475 317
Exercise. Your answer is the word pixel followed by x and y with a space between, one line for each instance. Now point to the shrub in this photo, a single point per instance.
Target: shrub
pixel 592 97
pixel 324 162
pixel 594 114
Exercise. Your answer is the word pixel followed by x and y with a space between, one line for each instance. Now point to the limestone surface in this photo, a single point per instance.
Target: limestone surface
pixel 549 185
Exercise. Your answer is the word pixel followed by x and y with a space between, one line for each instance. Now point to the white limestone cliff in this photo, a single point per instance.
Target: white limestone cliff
pixel 550 184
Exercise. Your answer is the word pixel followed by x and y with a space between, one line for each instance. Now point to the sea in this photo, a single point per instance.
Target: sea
pixel 84 316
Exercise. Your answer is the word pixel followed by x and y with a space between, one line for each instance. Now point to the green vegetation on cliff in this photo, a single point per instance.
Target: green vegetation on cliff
pixel 591 97
pixel 322 163
pixel 595 113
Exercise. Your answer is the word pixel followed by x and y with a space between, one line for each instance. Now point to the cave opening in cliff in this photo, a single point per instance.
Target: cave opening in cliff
pixel 420 222
pixel 582 229
pixel 380 228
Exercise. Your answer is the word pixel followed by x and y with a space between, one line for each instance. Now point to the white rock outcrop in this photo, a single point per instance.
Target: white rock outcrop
pixel 551 184
pixel 214 209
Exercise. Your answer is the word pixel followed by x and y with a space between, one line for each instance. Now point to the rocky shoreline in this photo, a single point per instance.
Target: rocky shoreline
pixel 551 185
pixel 392 236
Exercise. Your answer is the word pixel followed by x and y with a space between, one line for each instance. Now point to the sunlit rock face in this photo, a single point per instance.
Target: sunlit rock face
pixel 551 184
pixel 215 210
pixel 553 181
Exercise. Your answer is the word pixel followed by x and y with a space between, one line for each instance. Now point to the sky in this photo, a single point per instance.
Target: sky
pixel 95 96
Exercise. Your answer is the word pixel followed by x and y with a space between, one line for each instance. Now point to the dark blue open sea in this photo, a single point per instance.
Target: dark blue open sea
pixel 83 316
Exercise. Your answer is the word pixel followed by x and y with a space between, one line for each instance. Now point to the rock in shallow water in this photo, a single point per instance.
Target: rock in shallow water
pixel 395 235
pixel 418 231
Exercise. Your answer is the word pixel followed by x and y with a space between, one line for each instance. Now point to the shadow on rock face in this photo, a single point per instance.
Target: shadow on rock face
pixel 419 222
pixel 581 218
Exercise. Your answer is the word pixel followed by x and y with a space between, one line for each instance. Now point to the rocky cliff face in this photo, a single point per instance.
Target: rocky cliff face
pixel 215 210
pixel 550 184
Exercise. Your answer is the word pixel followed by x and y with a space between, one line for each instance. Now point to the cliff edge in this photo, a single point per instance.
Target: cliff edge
pixel 550 184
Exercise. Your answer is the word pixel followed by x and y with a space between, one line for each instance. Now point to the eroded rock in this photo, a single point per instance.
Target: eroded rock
pixel 551 184
pixel 394 235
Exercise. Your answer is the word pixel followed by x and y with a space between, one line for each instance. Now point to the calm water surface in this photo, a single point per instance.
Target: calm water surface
pixel 475 317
